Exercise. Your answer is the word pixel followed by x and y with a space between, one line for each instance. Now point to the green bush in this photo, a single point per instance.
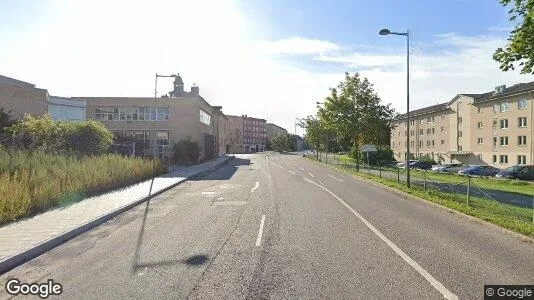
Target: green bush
pixel 44 134
pixel 186 151
pixel 31 182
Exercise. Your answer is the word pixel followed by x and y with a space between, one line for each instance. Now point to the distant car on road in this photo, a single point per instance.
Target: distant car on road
pixel 449 168
pixel 480 171
pixel 520 172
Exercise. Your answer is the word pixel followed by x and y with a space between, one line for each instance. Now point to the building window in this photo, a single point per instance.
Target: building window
pixel 494 141
pixel 503 159
pixel 433 143
pixel 162 113
pixel 479 156
pixel 522 140
pixel 421 132
pixel 412 132
pixel 460 133
pixel 428 131
pixel 494 124
pixel 205 118
pixel 141 136
pixel 505 106
pixel 443 142
pixel 460 120
pixel 496 108
pixel 429 119
pixel 460 148
pixel 504 124
pixel 522 122
pixel 522 104
pixel 479 140
pixel 479 125
pixel 504 141
pixel 521 159
pixel 412 122
pixel 479 110
pixel 494 158
pixel 421 121
pixel 420 143
pixel 442 129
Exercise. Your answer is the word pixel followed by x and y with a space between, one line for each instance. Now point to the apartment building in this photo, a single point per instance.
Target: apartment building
pixel 493 128
pixel 166 120
pixel 273 129
pixel 252 133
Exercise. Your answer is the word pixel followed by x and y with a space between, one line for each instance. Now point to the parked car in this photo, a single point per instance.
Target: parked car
pixel 521 172
pixel 480 171
pixel 449 168
pixel 423 165
pixel 402 165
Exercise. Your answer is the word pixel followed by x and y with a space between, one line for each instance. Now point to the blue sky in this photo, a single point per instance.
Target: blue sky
pixel 270 59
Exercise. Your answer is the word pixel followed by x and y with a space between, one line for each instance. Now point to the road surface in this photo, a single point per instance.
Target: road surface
pixel 274 226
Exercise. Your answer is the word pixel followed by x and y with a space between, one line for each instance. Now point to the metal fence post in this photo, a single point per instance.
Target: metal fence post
pixel 380 170
pixel 424 180
pixel 398 175
pixel 468 189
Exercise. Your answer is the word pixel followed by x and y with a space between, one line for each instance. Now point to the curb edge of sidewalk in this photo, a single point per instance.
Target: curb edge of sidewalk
pixel 11 262
pixel 521 237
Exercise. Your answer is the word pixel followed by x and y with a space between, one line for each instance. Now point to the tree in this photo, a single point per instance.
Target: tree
pixel 281 142
pixel 315 132
pixel 353 112
pixel 186 151
pixel 520 47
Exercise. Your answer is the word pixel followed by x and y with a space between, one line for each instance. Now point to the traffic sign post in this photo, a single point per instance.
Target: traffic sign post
pixel 368 148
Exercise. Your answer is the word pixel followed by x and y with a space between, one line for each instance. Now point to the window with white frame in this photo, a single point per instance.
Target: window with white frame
pixel 428 131
pixel 479 141
pixel 522 122
pixel 479 125
pixel 503 159
pixel 479 156
pixel 504 123
pixel 420 143
pixel 421 132
pixel 522 104
pixel 496 108
pixel 428 143
pixel 522 140
pixel 205 118
pixel 521 159
pixel 504 141
pixel 505 106
pixel 494 158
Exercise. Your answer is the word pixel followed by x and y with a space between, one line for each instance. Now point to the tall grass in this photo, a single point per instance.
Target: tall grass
pixel 31 182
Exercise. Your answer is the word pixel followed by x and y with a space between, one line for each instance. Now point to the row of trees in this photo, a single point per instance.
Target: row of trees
pixel 353 115
pixel 282 141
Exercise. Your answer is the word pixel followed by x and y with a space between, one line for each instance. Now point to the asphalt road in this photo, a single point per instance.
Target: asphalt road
pixel 325 235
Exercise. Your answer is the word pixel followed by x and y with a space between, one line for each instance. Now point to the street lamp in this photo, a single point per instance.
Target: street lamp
pixel 156 116
pixel 386 31
pixel 326 138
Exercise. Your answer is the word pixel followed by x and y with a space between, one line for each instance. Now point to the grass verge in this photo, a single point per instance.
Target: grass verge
pixel 511 217
pixel 32 182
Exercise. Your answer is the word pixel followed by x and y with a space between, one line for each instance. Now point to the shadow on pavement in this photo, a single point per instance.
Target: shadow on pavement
pixel 224 171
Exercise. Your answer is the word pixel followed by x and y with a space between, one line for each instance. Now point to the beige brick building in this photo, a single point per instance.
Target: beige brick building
pixel 493 128
pixel 18 98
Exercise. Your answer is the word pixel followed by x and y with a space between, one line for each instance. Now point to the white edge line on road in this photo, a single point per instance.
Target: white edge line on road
pixel 260 232
pixel 281 167
pixel 436 284
pixel 292 172
pixel 257 185
pixel 340 180
pixel 311 174
pixel 301 169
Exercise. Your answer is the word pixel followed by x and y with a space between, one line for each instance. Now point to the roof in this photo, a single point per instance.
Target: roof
pixel 514 89
pixel 425 110
pixel 5 79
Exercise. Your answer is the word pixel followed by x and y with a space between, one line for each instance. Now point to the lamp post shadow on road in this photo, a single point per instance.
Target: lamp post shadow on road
pixel 386 31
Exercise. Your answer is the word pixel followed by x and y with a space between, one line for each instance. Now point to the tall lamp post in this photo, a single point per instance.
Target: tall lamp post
pixel 156 116
pixel 326 137
pixel 407 35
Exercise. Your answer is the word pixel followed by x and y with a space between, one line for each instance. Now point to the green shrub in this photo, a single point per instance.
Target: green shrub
pixel 31 182
pixel 186 151
pixel 44 134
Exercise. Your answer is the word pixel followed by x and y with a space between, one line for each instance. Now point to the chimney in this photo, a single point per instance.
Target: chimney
pixel 195 90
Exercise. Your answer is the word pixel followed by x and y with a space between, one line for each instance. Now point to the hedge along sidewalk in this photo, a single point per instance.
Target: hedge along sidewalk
pixel 26 239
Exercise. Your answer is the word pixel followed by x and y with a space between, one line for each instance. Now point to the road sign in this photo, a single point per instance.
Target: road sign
pixel 368 148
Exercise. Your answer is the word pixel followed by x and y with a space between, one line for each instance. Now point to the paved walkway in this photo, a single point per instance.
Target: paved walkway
pixel 25 235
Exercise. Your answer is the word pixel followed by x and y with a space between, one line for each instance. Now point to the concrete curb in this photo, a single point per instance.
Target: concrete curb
pixel 20 258
pixel 518 235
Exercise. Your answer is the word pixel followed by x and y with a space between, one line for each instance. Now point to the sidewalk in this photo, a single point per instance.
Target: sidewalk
pixel 29 238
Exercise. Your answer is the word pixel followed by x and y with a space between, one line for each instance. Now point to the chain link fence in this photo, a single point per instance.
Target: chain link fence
pixel 509 198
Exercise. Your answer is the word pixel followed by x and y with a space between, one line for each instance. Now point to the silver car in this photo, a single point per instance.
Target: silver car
pixel 449 168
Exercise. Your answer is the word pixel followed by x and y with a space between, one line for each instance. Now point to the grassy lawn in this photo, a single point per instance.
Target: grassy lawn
pixel 515 218
pixel 34 182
